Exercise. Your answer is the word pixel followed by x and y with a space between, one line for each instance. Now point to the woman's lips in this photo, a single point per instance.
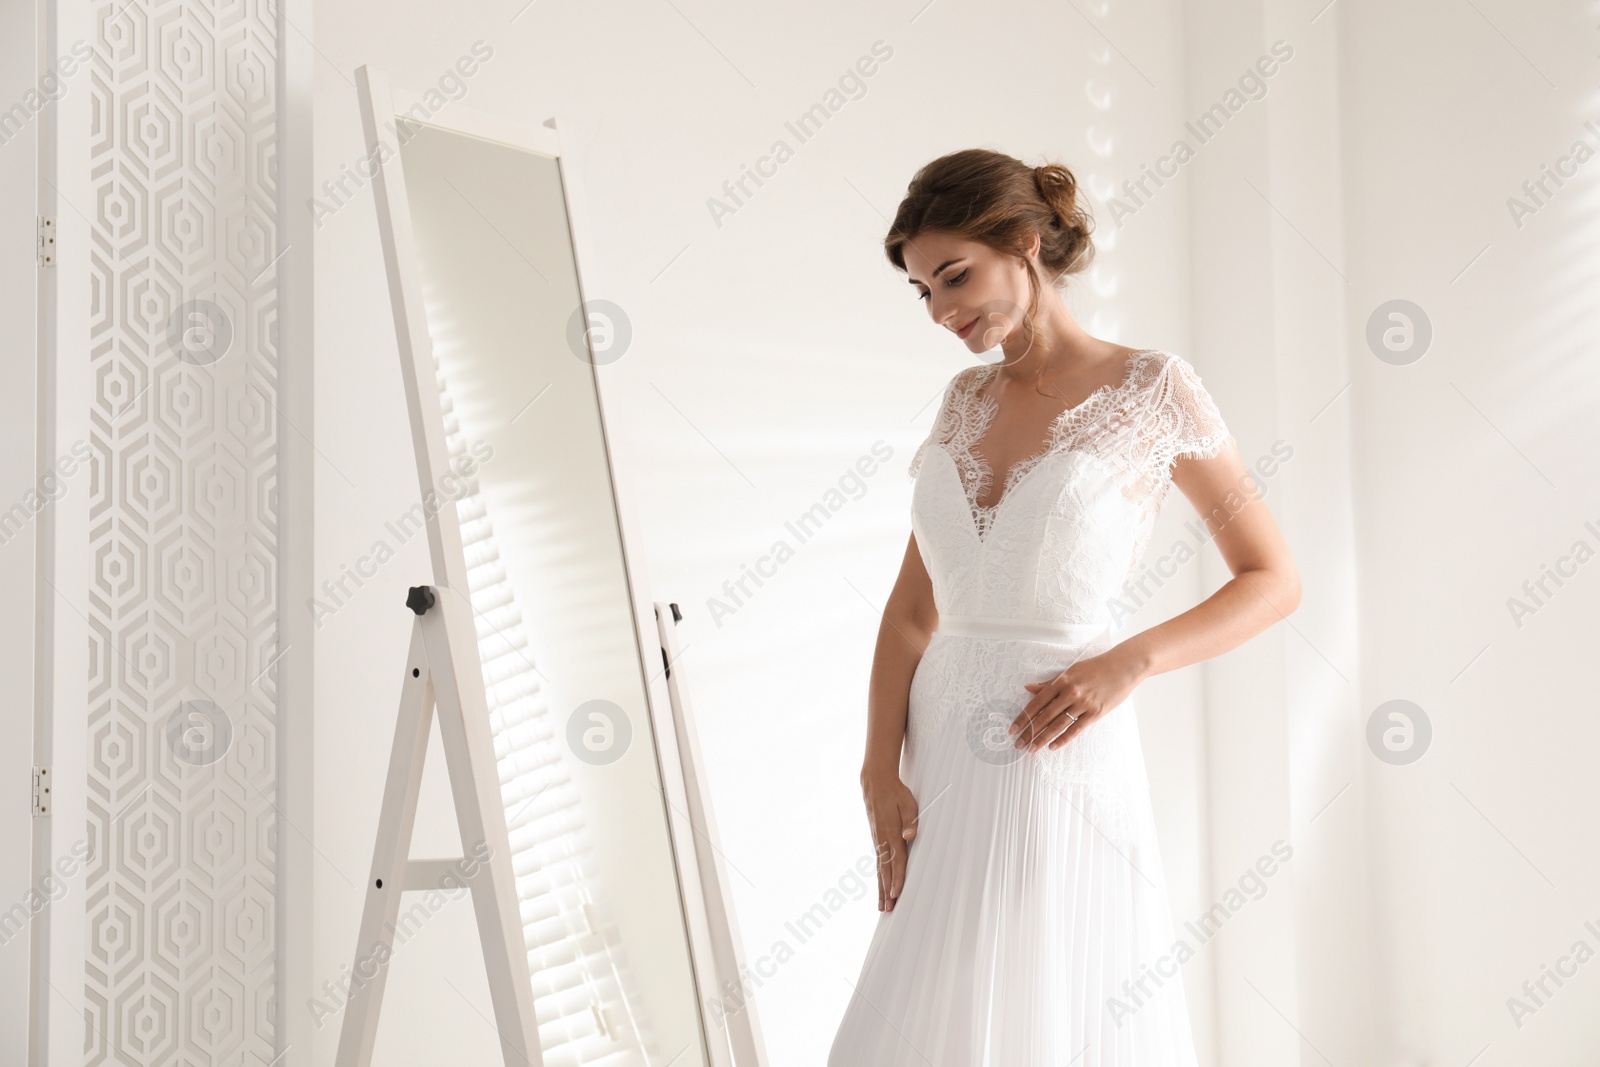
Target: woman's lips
pixel 962 333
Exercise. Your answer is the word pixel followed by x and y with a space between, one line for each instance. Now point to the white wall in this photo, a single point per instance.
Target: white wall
pixel 1475 470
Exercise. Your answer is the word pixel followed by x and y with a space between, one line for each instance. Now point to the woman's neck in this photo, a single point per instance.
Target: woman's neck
pixel 1059 350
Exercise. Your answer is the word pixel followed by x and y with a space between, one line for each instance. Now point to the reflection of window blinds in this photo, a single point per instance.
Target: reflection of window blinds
pixel 582 990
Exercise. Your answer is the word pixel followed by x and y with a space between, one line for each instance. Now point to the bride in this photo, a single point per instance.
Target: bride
pixel 1024 919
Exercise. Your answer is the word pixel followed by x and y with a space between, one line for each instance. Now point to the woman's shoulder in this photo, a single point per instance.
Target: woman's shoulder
pixel 1146 367
pixel 1172 361
pixel 1156 358
pixel 1153 366
pixel 1190 415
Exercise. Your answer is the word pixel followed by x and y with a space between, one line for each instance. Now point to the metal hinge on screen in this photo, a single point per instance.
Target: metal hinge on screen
pixel 41 790
pixel 47 241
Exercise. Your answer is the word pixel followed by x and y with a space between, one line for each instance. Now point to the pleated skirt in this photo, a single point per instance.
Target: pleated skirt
pixel 1033 928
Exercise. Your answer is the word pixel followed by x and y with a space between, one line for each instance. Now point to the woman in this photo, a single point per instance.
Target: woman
pixel 1024 918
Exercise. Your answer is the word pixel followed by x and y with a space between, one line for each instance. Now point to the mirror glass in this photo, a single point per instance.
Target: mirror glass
pixel 600 906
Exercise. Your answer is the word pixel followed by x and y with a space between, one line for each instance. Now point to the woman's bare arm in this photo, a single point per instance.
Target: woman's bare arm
pixel 909 619
pixel 1265 586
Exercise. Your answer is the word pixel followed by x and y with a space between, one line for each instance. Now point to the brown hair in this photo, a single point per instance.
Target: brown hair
pixel 1001 201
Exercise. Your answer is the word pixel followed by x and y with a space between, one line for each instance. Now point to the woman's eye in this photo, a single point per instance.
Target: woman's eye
pixel 955 281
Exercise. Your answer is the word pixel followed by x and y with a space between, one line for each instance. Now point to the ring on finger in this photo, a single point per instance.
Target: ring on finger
pixel 1037 744
pixel 1063 738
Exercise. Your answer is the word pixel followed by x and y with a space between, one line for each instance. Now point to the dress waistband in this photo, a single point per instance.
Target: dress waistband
pixel 1077 633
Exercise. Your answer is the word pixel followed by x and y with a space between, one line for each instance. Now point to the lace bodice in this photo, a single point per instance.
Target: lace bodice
pixel 1072 520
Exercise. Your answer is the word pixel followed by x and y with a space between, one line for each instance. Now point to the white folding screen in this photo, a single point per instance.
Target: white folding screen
pixel 176 641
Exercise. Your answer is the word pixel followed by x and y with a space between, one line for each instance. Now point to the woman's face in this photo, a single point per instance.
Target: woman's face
pixel 972 290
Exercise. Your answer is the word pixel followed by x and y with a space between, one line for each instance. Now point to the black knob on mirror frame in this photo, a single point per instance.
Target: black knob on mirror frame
pixel 420 599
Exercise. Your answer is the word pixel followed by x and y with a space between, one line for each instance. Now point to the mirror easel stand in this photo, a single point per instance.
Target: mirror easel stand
pixel 434 665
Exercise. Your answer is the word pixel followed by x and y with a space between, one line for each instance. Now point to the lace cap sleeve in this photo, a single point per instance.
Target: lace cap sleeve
pixel 1193 423
pixel 945 423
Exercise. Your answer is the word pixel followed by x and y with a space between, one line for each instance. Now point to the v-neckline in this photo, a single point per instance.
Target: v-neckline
pixel 989 407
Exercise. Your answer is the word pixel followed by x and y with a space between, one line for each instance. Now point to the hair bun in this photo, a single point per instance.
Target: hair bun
pixel 1059 190
pixel 1055 180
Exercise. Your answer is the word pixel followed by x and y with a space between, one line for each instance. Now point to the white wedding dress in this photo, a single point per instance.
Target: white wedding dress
pixel 1033 928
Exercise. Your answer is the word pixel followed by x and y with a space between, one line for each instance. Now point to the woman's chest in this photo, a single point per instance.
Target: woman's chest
pixel 1067 500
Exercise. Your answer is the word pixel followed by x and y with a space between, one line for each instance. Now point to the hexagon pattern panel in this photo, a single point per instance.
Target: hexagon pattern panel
pixel 183 535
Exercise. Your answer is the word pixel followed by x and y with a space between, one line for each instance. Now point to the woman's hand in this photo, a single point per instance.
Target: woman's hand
pixel 1064 705
pixel 892 813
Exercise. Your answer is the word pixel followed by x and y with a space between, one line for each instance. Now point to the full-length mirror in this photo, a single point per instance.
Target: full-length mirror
pixel 596 883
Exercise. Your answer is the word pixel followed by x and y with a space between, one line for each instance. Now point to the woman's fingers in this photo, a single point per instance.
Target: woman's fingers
pixel 892 813
pixel 896 851
pixel 891 871
pixel 1046 723
pixel 1056 723
pixel 1074 728
pixel 1059 722
pixel 1035 704
pixel 883 875
pixel 1063 710
pixel 891 865
pixel 908 833
pixel 885 871
pixel 1048 697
